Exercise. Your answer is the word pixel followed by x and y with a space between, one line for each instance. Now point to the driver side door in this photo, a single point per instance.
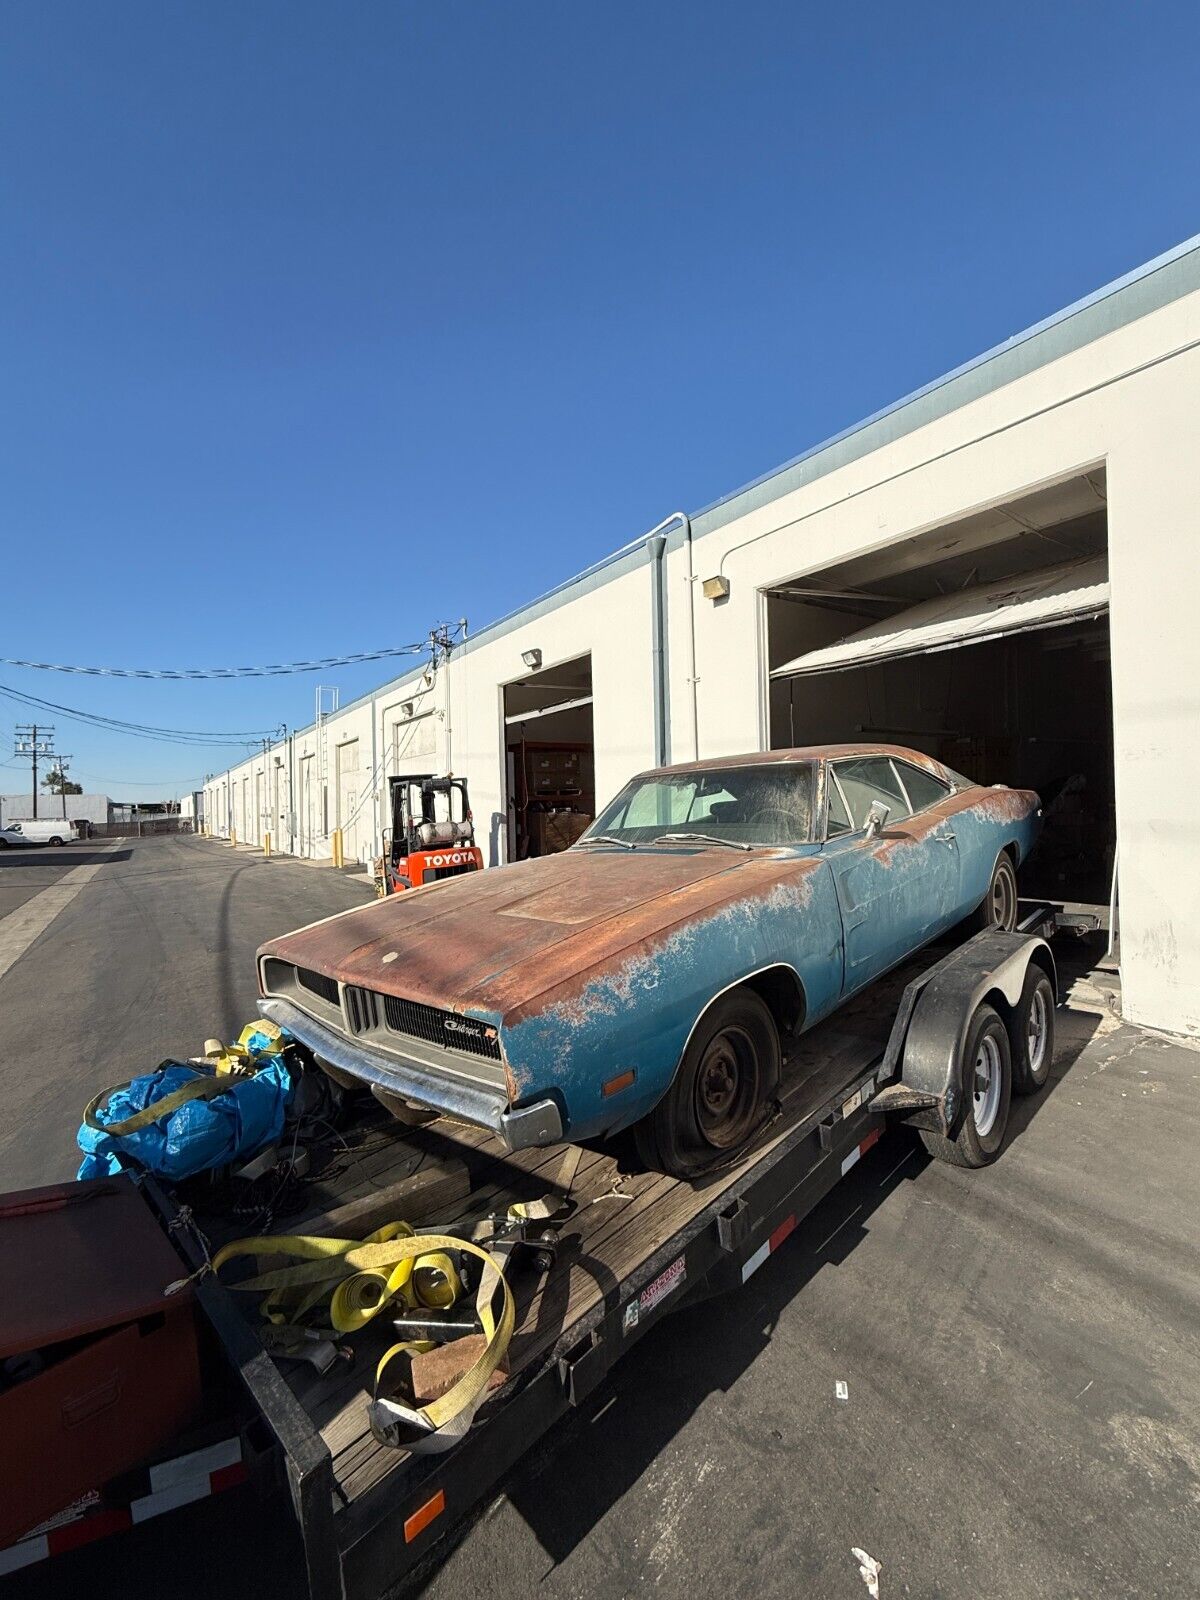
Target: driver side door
pixel 891 889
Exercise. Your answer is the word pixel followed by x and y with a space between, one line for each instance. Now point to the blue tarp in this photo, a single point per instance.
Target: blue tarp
pixel 197 1136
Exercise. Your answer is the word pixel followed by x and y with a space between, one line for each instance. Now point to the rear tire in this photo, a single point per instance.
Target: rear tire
pixel 56 840
pixel 1033 1033
pixel 998 908
pixel 986 1061
pixel 721 1092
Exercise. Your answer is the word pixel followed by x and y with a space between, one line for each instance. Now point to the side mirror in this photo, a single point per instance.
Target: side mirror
pixel 876 817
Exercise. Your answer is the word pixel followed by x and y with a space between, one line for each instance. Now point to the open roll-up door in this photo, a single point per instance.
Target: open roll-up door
pixel 1042 599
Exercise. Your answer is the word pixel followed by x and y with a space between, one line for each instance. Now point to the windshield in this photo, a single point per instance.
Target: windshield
pixel 766 804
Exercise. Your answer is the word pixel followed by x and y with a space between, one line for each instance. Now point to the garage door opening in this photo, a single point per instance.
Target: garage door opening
pixel 550 758
pixel 984 644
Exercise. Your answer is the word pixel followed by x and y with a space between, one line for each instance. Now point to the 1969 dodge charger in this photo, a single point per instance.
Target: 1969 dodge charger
pixel 646 975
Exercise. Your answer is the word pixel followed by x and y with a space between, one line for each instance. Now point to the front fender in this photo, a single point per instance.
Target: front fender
pixel 637 1012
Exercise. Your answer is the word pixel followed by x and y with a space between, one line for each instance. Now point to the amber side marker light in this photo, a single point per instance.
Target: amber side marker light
pixel 615 1085
pixel 424 1515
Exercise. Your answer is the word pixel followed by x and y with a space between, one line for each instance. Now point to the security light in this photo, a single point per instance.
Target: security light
pixel 531 658
pixel 716 588
pixel 408 707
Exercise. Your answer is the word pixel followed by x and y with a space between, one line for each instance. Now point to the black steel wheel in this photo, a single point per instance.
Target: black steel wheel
pixel 721 1092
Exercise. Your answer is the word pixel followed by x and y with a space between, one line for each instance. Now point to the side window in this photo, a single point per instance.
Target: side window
pixel 924 790
pixel 864 780
pixel 838 820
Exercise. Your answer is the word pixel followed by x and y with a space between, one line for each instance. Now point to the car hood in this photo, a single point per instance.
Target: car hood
pixel 495 941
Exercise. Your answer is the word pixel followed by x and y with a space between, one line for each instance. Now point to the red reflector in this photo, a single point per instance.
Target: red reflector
pixel 615 1085
pixel 226 1477
pixel 872 1138
pixel 423 1516
pixel 781 1233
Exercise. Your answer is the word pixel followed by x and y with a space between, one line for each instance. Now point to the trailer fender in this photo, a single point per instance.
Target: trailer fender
pixel 933 1091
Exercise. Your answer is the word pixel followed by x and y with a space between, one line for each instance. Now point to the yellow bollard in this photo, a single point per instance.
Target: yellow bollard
pixel 336 843
pixel 266 844
pixel 233 837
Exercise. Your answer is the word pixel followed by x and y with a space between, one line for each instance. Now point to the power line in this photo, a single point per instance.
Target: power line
pixel 137 730
pixel 221 672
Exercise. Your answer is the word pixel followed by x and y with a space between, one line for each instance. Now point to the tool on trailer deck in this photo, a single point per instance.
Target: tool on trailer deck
pixel 355 1280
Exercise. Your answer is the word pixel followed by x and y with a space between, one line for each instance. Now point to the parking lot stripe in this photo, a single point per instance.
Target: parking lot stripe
pixel 28 922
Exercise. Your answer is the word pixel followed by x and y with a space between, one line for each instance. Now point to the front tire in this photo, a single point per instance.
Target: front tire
pixel 986 1061
pixel 721 1092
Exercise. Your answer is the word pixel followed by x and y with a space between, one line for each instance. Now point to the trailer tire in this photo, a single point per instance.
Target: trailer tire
pixel 986 1062
pixel 998 908
pixel 721 1093
pixel 1033 1033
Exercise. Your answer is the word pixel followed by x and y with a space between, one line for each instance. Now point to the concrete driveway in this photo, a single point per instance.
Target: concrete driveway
pixel 1020 1346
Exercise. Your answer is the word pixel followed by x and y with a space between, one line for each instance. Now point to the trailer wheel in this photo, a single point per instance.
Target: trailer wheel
pixel 998 908
pixel 721 1090
pixel 987 1076
pixel 1033 1033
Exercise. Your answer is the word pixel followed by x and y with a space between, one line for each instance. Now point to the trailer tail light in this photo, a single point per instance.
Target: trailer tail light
pixel 424 1515
pixel 615 1085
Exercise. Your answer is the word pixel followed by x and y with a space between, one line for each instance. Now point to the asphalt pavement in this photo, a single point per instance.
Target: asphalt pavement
pixel 1020 1347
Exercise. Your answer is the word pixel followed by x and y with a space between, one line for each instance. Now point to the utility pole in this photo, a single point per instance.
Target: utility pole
pixel 34 741
pixel 62 775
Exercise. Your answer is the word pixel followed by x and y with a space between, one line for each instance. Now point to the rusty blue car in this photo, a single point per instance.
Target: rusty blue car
pixel 648 975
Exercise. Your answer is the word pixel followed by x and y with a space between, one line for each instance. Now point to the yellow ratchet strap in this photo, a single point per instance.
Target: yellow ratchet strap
pixel 361 1278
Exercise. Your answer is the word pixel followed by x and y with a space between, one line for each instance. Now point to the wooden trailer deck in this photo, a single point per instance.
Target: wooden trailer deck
pixel 620 1218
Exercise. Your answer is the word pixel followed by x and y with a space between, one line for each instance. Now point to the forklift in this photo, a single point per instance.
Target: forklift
pixel 431 836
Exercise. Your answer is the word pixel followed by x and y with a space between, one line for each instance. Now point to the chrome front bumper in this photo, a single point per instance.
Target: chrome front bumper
pixel 518 1127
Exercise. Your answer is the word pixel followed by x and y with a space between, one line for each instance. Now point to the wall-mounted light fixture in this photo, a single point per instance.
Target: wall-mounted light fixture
pixel 407 707
pixel 531 658
pixel 716 588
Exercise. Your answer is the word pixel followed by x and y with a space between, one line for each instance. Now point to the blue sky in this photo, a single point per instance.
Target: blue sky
pixel 323 322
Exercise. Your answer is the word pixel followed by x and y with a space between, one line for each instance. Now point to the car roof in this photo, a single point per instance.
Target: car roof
pixel 807 752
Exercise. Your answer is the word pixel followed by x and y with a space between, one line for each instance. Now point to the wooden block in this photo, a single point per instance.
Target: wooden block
pixel 412 1199
pixel 438 1370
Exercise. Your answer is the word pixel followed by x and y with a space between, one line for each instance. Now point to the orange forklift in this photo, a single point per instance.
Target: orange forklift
pixel 431 837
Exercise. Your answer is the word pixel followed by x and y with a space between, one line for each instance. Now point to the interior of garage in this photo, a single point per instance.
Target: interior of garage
pixel 875 649
pixel 550 781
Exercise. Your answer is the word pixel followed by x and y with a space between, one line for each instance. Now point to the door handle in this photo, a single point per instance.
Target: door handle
pixel 947 839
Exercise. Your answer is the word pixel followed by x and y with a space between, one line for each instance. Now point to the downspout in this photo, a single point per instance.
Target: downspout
pixel 660 652
pixel 658 664
pixel 376 844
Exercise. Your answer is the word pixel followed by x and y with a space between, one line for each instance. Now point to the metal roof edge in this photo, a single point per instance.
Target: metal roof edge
pixel 1156 283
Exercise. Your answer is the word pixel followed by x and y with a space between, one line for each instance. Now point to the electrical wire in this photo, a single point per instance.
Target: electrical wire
pixel 139 730
pixel 190 673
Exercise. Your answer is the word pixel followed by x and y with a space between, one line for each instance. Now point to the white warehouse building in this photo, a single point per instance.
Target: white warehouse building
pixel 1000 569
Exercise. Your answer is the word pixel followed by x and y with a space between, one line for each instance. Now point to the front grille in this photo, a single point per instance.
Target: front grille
pixel 317 983
pixel 446 1028
pixel 361 1007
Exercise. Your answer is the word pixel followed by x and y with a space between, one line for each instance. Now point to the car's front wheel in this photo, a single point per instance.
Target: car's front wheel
pixel 722 1090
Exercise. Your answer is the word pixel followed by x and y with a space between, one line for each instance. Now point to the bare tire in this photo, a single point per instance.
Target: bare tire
pixel 986 1077
pixel 1033 1033
pixel 998 908
pixel 721 1092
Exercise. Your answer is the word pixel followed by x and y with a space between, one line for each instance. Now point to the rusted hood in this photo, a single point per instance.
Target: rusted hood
pixel 493 940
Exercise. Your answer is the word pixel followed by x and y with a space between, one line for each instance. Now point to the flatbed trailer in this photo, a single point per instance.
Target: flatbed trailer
pixel 634 1247
pixel 626 1248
